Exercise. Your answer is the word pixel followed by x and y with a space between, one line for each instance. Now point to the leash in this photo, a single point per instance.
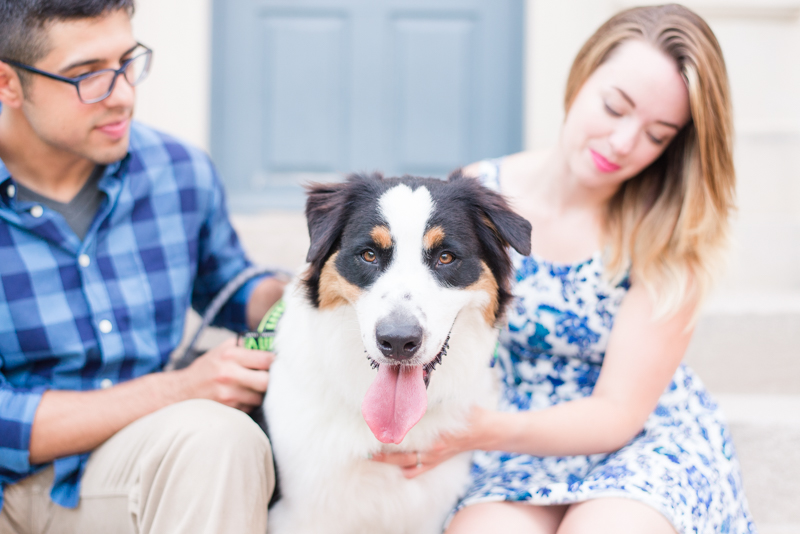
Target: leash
pixel 190 354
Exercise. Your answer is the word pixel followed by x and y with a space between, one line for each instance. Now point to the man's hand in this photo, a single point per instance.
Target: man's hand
pixel 229 374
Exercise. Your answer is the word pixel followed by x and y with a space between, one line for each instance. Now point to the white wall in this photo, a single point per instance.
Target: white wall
pixel 555 31
pixel 177 95
pixel 760 40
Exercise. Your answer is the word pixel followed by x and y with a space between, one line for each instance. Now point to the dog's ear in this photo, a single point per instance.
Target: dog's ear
pixel 497 227
pixel 510 228
pixel 325 215
pixel 325 206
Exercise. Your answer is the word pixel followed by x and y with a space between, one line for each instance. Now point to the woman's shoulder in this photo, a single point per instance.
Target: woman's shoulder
pixel 508 170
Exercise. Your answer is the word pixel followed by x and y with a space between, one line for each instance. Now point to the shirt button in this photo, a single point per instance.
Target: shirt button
pixel 37 211
pixel 11 191
pixel 106 383
pixel 83 260
pixel 105 326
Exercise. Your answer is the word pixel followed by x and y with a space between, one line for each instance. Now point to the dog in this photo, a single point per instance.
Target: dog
pixel 385 345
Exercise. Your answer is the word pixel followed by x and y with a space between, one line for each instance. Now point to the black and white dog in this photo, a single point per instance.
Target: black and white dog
pixel 384 346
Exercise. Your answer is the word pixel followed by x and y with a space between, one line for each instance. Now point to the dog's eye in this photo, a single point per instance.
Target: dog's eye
pixel 368 256
pixel 445 258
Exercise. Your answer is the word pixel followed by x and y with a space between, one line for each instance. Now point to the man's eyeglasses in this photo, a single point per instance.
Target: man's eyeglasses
pixel 96 86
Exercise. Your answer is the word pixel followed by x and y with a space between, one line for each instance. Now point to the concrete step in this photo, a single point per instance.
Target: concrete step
pixel 765 254
pixel 749 343
pixel 745 341
pixel 277 238
pixel 766 434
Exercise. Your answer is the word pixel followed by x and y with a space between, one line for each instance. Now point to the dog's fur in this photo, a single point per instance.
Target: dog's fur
pixel 328 349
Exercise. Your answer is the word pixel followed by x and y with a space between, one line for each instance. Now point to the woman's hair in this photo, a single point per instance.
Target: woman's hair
pixel 670 223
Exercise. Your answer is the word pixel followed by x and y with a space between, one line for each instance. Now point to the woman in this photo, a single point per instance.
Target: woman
pixel 605 430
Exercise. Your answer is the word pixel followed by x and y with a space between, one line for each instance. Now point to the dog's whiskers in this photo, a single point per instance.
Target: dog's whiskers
pixel 429 367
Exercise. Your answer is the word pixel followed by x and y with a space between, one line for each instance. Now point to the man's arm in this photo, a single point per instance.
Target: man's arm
pixel 265 294
pixel 73 422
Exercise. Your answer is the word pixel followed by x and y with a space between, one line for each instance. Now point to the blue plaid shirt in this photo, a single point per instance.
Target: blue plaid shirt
pixel 80 315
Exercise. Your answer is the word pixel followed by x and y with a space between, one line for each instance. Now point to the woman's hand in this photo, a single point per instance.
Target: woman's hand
pixel 474 437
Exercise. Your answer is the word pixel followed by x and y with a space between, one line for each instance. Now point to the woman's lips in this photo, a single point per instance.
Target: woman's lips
pixel 115 130
pixel 602 164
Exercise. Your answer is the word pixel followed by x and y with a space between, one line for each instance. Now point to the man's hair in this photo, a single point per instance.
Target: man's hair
pixel 23 23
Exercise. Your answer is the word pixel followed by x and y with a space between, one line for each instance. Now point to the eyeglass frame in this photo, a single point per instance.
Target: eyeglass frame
pixel 78 79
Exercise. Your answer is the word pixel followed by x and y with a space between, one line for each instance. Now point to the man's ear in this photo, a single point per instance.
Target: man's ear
pixel 11 94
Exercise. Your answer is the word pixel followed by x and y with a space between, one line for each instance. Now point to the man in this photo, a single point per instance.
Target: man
pixel 108 230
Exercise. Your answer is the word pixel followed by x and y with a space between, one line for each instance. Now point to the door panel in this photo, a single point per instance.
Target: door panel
pixel 433 96
pixel 304 90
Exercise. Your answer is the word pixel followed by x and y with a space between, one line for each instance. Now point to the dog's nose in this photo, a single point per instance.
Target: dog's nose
pixel 398 337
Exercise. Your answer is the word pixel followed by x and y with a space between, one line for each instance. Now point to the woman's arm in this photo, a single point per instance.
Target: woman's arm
pixel 641 358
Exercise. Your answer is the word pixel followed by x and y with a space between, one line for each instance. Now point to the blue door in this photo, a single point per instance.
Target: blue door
pixel 305 90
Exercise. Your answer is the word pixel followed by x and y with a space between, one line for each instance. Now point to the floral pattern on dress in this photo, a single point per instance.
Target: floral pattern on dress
pixel 682 463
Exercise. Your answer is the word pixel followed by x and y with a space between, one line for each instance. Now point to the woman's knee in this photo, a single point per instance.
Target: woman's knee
pixel 511 517
pixel 614 515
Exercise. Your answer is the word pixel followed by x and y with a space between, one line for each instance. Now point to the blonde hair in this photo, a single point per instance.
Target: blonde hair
pixel 669 224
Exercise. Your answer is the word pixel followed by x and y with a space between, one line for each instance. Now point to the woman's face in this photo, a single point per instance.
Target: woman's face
pixel 625 115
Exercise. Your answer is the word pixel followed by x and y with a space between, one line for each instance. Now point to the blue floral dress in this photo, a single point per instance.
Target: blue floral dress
pixel 682 464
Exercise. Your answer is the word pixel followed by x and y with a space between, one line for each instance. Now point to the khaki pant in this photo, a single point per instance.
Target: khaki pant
pixel 193 467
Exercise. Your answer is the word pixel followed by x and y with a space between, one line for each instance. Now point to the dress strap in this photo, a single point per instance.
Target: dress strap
pixel 489 173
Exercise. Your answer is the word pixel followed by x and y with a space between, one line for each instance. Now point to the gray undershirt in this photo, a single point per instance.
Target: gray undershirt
pixel 78 212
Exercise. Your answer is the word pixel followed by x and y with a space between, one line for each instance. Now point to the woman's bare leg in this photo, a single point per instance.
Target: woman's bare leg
pixel 614 516
pixel 508 518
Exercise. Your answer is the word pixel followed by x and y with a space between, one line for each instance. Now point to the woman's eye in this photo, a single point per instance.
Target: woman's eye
pixel 368 256
pixel 656 140
pixel 445 258
pixel 611 111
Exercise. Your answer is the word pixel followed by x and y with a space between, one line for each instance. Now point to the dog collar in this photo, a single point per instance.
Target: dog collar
pixel 264 336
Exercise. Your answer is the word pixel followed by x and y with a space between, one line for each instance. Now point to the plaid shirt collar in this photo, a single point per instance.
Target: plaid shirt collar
pixel 21 213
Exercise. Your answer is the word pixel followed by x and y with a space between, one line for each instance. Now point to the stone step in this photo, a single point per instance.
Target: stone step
pixel 766 434
pixel 748 342
pixel 277 238
pixel 745 341
pixel 765 254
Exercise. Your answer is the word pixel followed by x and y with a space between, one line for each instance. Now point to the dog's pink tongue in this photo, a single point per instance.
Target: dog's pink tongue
pixel 395 402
